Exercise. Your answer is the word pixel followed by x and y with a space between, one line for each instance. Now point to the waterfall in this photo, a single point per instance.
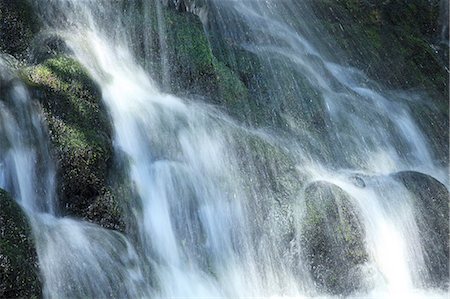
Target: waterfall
pixel 24 142
pixel 73 255
pixel 222 204
pixel 362 120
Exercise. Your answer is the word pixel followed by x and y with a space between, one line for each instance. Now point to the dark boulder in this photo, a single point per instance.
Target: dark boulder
pixel 392 41
pixel 18 27
pixel 333 239
pixel 178 53
pixel 19 271
pixel 80 133
pixel 431 206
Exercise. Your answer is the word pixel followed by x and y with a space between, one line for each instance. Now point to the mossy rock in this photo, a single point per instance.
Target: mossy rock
pixel 271 163
pixel 271 181
pixel 333 238
pixel 194 66
pixel 80 133
pixel 185 5
pixel 19 271
pixel 231 91
pixel 431 208
pixel 179 56
pixel 391 41
pixel 18 27
pixel 433 120
pixel 188 49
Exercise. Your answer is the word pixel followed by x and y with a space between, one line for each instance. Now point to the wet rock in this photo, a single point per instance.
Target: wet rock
pixel 271 181
pixel 18 27
pixel 80 133
pixel 391 41
pixel 48 46
pixel 179 55
pixel 194 67
pixel 272 166
pixel 19 271
pixel 431 200
pixel 433 120
pixel 358 181
pixel 333 238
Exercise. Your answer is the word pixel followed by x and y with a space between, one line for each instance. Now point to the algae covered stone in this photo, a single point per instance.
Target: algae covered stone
pixel 80 133
pixel 391 41
pixel 333 237
pixel 194 66
pixel 431 207
pixel 177 53
pixel 19 271
pixel 18 27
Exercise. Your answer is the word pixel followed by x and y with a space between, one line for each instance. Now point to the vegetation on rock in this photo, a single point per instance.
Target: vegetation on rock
pixel 18 26
pixel 19 272
pixel 193 65
pixel 181 59
pixel 392 41
pixel 81 136
pixel 431 207
pixel 333 237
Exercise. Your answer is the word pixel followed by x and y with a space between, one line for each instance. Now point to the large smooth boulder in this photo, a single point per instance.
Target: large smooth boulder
pixel 431 207
pixel 333 239
pixel 19 271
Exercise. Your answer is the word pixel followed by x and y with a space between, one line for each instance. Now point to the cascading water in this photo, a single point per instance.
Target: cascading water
pixel 210 223
pixel 368 130
pixel 24 143
pixel 362 120
pixel 27 171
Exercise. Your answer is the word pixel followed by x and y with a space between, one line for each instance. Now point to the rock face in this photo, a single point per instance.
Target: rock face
pixel 81 137
pixel 18 25
pixel 194 66
pixel 431 206
pixel 333 238
pixel 179 56
pixel 398 43
pixel 391 40
pixel 19 273
pixel 272 181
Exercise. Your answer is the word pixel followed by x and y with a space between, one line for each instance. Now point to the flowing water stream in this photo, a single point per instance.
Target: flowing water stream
pixel 208 224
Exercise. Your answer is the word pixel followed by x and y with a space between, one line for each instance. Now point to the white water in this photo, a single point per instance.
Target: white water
pixel 24 143
pixel 205 229
pixel 193 224
pixel 396 257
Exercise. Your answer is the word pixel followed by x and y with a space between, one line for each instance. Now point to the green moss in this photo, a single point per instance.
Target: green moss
pixel 19 273
pixel 195 64
pixel 186 36
pixel 191 60
pixel 390 40
pixel 231 90
pixel 73 106
pixel 80 133
pixel 179 41
pixel 333 238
